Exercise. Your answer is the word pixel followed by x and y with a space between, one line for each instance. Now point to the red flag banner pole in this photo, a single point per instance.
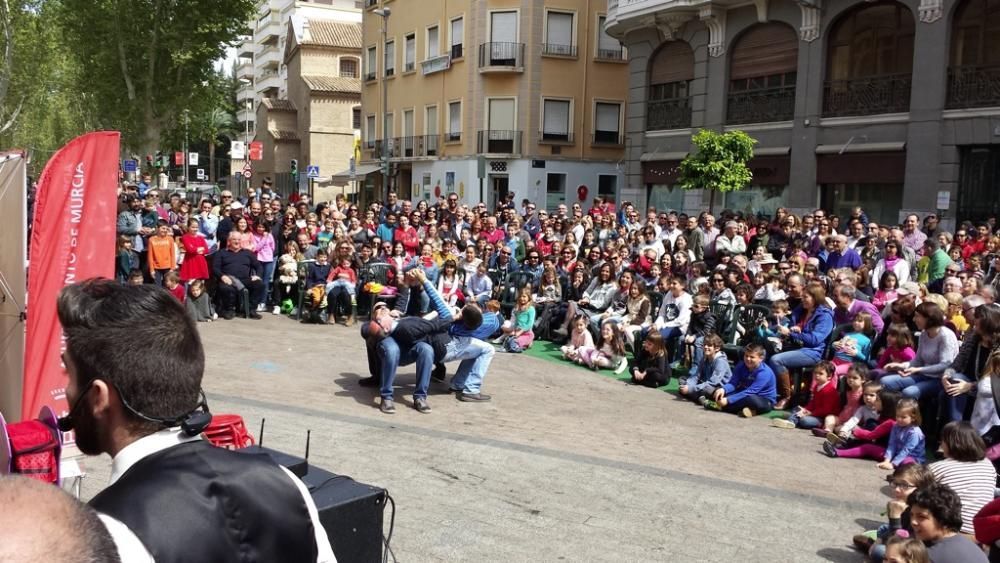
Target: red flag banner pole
pixel 72 239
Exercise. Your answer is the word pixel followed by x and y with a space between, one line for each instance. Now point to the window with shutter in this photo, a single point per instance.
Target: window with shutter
pixel 559 34
pixel 607 123
pixel 762 72
pixel 372 64
pixel 410 53
pixel 555 120
pixel 457 37
pixel 390 58
pixel 433 42
pixel 607 47
pixel 455 121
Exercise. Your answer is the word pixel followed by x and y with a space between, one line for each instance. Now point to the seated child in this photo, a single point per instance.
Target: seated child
pixel 899 349
pixel 652 370
pixel 579 338
pixel 518 331
pixel 824 402
pixel 865 416
pixel 752 389
pixel 768 329
pixel 702 324
pixel 855 346
pixel 199 304
pixel 850 399
pixel 903 481
pixel 172 281
pixel 906 441
pixel 711 373
pixel 609 351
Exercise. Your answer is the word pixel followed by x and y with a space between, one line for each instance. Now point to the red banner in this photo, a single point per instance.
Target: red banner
pixel 72 239
pixel 256 150
pixel 178 158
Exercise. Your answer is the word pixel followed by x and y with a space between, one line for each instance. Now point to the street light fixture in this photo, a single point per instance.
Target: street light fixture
pixel 246 136
pixel 384 13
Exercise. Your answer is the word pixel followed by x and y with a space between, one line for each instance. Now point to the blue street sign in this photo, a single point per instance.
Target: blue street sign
pixel 312 171
pixel 130 165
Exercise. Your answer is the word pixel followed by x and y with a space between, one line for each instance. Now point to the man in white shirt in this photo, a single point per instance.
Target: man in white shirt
pixel 135 364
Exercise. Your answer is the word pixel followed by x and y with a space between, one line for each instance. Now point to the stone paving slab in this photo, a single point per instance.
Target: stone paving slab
pixel 563 465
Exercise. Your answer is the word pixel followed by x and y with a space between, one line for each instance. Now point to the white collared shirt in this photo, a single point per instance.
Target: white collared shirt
pixel 130 548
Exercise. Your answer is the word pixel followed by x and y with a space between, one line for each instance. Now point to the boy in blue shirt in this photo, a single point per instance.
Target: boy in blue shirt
pixel 751 390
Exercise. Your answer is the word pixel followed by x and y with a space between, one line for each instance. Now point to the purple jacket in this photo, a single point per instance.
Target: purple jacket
pixel 840 316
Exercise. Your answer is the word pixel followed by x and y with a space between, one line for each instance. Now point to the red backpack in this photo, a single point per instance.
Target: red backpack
pixel 31 447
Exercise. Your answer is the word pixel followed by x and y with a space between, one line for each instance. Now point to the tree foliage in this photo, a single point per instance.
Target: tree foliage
pixel 719 162
pixel 144 62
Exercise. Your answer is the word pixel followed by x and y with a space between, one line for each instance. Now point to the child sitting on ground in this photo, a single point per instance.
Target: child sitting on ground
pixel 850 399
pixel 865 417
pixel 824 402
pixel 579 338
pixel 199 304
pixel 906 441
pixel 172 281
pixel 708 375
pixel 903 481
pixel 653 371
pixel 609 352
pixel 855 346
pixel 637 310
pixel 135 277
pixel 517 332
pixel 899 349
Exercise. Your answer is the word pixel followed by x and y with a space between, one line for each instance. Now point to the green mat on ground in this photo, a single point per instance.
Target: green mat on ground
pixel 548 351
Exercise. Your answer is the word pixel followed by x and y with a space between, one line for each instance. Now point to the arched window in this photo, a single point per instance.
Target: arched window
pixel 762 71
pixel 671 71
pixel 870 60
pixel 974 70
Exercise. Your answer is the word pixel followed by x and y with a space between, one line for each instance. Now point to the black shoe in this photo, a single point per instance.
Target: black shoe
pixel 421 406
pixel 370 381
pixel 229 315
pixel 255 316
pixel 473 397
pixel 829 449
pixel 439 373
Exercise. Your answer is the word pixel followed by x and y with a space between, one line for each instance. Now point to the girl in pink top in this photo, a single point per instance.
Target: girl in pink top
pixel 263 247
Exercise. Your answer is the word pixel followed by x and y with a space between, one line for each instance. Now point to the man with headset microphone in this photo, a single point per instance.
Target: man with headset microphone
pixel 135 363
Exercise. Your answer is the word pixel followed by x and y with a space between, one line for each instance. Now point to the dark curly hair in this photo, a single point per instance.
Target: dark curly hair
pixel 942 502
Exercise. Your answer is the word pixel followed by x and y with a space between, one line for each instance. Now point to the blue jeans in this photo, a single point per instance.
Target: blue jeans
pixel 476 357
pixel 756 403
pixel 391 357
pixel 913 386
pixel 955 406
pixel 267 278
pixel 806 422
pixel 781 363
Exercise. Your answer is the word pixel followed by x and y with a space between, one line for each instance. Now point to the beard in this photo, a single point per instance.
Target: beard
pixel 87 433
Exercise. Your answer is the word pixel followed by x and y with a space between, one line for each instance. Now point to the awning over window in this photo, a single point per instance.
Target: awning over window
pixel 360 172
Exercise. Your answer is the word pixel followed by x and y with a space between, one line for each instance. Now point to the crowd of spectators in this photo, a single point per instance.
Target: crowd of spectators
pixel 871 336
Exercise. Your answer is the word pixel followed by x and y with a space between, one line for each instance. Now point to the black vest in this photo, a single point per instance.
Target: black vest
pixel 195 502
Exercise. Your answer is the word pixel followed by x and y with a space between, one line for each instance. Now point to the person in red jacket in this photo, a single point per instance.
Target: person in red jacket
pixel 825 401
pixel 407 235
pixel 194 266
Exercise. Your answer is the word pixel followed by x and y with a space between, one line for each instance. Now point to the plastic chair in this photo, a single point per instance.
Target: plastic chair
pixel 228 431
pixel 746 318
pixel 515 282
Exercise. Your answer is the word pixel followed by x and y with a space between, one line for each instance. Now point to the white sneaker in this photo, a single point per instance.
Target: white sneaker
pixel 622 366
pixel 782 423
pixel 215 316
pixel 276 310
pixel 261 308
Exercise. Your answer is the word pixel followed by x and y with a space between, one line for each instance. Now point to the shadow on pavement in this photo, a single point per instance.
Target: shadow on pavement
pixel 868 523
pixel 840 555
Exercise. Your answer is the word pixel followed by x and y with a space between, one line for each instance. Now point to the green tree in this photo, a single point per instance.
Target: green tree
pixel 719 163
pixel 144 62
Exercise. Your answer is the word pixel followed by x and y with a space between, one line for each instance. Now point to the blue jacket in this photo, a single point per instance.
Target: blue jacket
pixel 715 373
pixel 816 332
pixel 903 442
pixel 491 321
pixel 744 383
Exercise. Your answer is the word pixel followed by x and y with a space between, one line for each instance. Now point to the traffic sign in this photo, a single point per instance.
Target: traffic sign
pixel 247 173
pixel 237 150
pixel 192 159
pixel 312 171
pixel 353 168
pixel 130 165
pixel 201 174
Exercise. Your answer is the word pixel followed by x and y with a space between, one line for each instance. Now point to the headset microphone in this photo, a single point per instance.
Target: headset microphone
pixel 192 423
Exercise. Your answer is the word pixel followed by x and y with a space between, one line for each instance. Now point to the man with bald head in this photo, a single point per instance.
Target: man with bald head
pixel 42 523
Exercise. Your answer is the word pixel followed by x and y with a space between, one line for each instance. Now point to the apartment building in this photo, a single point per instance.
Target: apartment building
pixel 528 95
pixel 890 105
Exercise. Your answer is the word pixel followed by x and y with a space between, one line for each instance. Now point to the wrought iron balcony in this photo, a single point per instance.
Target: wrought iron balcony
pixel 389 148
pixel 761 105
pixel 559 50
pixel 611 54
pixel 608 138
pixel 501 57
pixel 973 86
pixel 369 76
pixel 495 141
pixel 870 95
pixel 672 113
pixel 428 145
pixel 456 51
pixel 453 137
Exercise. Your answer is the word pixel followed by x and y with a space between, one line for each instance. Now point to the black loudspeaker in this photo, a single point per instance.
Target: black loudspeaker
pixel 351 513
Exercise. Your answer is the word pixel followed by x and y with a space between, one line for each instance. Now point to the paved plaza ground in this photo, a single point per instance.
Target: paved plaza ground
pixel 562 465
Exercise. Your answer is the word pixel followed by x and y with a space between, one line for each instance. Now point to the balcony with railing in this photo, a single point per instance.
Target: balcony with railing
pixel 269 82
pixel 245 69
pixel 624 15
pixel 415 146
pixel 557 50
pixel 670 113
pixel 612 54
pixel 496 141
pixel 501 57
pixel 607 139
pixel 973 86
pixel 268 57
pixel 761 105
pixel 869 95
pixel 435 64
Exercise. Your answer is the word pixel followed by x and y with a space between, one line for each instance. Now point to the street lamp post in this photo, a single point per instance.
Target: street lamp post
pixel 186 155
pixel 246 122
pixel 384 14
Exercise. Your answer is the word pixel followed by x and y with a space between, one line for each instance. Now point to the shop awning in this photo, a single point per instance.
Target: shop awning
pixel 359 172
